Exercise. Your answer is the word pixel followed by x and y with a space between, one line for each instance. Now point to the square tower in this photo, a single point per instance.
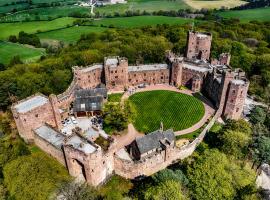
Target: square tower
pixel 198 45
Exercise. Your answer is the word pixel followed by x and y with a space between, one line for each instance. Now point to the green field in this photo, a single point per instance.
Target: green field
pixel 27 54
pixel 176 110
pixel 138 21
pixel 147 5
pixel 260 14
pixel 70 35
pixel 44 13
pixel 7 29
pixel 211 4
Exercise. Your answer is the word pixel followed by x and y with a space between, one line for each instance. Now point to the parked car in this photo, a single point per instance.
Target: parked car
pixel 68 121
pixel 74 121
pixel 141 85
pixel 64 123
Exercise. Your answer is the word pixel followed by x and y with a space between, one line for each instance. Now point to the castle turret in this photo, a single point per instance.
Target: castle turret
pixel 237 92
pixel 224 59
pixel 198 45
pixel 177 69
pixel 116 72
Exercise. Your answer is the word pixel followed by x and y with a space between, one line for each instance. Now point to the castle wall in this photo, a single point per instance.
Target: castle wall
pixel 198 45
pixel 148 77
pixel 235 100
pixel 116 75
pixel 98 166
pixel 89 77
pixel 26 122
pixel 177 70
pixel 53 151
pixel 188 74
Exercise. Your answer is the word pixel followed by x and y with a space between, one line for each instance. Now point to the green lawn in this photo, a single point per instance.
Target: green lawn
pixel 260 14
pixel 147 5
pixel 137 21
pixel 70 35
pixel 176 110
pixel 27 54
pixel 115 97
pixel 7 29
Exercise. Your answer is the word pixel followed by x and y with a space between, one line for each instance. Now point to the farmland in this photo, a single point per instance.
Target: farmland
pixel 130 22
pixel 147 5
pixel 72 34
pixel 199 4
pixel 8 29
pixel 26 54
pixel 69 35
pixel 260 14
pixel 175 110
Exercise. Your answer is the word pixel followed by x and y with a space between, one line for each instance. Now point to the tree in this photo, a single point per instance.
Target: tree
pixel 77 191
pixel 36 177
pixel 257 115
pixel 12 38
pixel 15 60
pixel 240 125
pixel 261 151
pixel 213 176
pixel 115 118
pixel 167 190
pixel 168 174
pixel 235 143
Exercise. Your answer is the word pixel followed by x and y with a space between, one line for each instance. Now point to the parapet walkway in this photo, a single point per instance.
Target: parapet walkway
pixel 209 110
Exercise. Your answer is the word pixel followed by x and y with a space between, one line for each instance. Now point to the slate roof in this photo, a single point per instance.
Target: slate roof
pixel 89 99
pixel 31 104
pixel 50 135
pixel 152 140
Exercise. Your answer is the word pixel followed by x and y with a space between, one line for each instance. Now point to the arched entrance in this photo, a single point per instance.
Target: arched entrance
pixel 78 170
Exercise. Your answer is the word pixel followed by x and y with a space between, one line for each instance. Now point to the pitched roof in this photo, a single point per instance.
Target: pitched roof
pixel 31 104
pixel 89 99
pixel 152 140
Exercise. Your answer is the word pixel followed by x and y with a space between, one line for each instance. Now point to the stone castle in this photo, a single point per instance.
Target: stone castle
pixel 88 152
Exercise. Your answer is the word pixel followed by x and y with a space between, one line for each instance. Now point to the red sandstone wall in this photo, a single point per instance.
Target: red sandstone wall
pixel 187 76
pixel 148 77
pixel 88 79
pixel 235 101
pixel 26 122
pixel 58 154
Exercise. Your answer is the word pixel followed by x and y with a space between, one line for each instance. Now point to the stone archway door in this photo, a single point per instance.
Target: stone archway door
pixel 78 170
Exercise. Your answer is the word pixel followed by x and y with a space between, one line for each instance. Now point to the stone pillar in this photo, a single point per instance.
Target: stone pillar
pixel 56 112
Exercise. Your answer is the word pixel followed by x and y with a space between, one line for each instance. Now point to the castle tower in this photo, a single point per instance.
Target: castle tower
pixel 196 83
pixel 177 69
pixel 237 92
pixel 198 45
pixel 224 59
pixel 116 72
pixel 227 76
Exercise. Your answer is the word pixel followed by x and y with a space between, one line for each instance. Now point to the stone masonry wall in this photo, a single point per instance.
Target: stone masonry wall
pixel 53 151
pixel 148 77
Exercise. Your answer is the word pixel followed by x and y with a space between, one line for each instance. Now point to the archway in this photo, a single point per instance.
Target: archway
pixel 78 170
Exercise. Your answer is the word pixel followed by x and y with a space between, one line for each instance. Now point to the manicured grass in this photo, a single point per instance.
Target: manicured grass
pixel 27 54
pixel 115 97
pixel 7 29
pixel 137 21
pixel 260 14
pixel 176 110
pixel 199 4
pixel 147 5
pixel 70 35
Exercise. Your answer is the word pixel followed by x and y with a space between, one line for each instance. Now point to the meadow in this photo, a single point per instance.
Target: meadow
pixel 8 29
pixel 27 54
pixel 260 14
pixel 138 21
pixel 45 13
pixel 71 34
pixel 147 5
pixel 176 110
pixel 199 4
